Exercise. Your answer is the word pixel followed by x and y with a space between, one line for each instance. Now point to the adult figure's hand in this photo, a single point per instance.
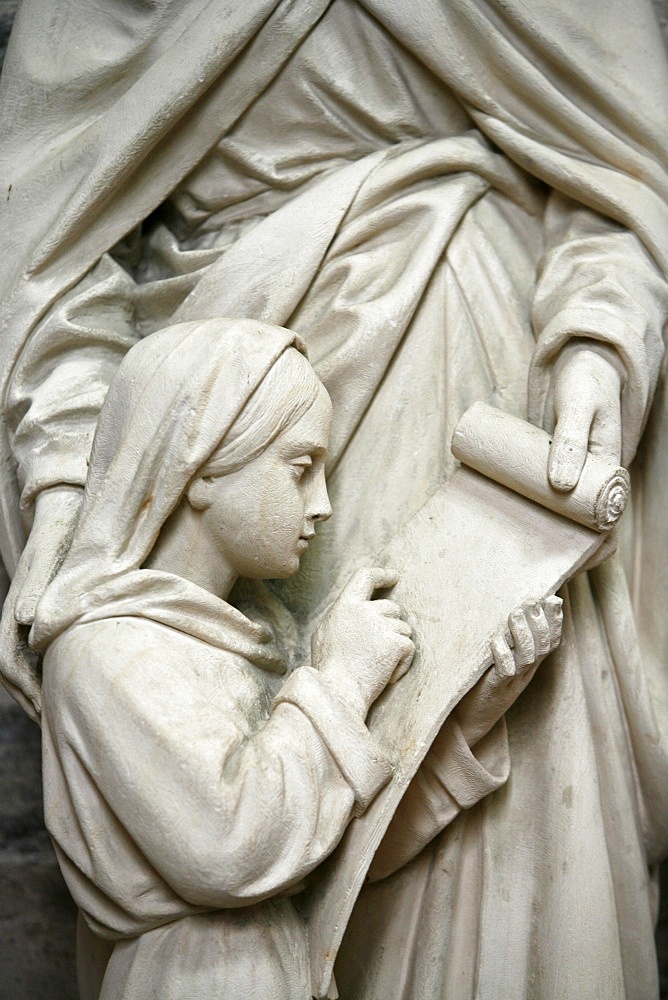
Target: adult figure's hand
pixel 587 410
pixel 56 512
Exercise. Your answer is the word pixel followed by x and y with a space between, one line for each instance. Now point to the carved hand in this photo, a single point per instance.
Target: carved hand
pixel 56 511
pixel 535 629
pixel 587 410
pixel 363 644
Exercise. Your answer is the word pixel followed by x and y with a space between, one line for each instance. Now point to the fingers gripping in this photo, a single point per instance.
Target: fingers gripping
pixel 535 630
pixel 504 661
pixel 540 629
pixel 554 612
pixel 389 608
pixel 523 638
pixel 364 582
pixel 361 587
pixel 406 659
pixel 587 407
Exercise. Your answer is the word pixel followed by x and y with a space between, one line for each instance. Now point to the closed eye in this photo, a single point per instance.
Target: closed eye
pixel 300 465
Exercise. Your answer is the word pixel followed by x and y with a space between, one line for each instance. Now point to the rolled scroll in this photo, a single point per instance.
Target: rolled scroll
pixel 514 453
pixel 493 537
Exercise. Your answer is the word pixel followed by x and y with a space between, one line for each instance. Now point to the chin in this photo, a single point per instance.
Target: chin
pixel 287 570
pixel 280 571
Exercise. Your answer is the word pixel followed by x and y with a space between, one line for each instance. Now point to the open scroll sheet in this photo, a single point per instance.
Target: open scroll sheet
pixel 473 553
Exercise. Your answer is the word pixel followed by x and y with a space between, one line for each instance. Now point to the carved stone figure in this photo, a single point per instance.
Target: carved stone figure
pixel 450 202
pixel 189 787
pixel 233 801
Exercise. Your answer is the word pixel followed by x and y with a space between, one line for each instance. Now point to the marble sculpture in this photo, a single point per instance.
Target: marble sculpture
pixel 435 204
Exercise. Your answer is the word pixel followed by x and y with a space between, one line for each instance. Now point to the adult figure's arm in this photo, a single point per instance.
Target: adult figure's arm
pixel 80 171
pixel 52 404
pixel 599 309
pixel 536 80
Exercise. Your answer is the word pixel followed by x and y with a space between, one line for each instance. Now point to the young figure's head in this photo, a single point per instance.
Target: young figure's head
pixel 208 463
pixel 251 509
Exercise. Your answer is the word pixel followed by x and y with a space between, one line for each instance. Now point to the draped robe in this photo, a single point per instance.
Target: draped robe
pixel 189 862
pixel 437 197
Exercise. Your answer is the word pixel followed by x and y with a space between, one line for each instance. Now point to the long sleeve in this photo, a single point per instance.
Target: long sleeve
pixel 453 776
pixel 66 367
pixel 597 282
pixel 172 783
pixel 63 375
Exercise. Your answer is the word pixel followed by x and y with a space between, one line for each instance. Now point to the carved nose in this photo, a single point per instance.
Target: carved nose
pixel 320 507
pixel 321 511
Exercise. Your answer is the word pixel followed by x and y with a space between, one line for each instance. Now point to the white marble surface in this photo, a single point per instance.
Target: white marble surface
pixel 25 739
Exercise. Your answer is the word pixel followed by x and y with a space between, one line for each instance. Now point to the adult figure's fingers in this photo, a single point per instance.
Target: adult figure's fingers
pixel 570 442
pixel 605 436
pixel 587 410
pixel 18 664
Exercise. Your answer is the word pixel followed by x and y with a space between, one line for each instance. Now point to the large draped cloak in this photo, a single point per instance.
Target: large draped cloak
pixel 426 267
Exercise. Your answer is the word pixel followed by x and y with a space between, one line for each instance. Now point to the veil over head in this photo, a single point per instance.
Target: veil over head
pixel 175 397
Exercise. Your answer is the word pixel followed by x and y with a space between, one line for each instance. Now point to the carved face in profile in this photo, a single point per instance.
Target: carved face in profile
pixel 259 519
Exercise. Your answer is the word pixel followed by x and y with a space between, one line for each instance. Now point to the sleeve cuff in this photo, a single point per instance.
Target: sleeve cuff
pixel 602 327
pixel 38 474
pixel 469 776
pixel 346 737
pixel 451 778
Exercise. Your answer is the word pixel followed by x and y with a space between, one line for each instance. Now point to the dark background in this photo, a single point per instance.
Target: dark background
pixel 37 916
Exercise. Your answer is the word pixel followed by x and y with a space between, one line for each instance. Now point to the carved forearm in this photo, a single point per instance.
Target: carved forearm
pixel 598 283
pixel 62 378
pixel 451 778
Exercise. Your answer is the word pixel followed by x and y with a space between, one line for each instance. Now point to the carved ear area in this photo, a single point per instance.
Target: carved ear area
pixel 199 493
